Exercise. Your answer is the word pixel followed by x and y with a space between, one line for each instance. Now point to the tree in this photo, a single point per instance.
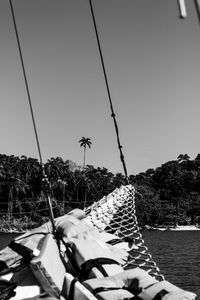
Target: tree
pixel 183 157
pixel 197 158
pixel 85 142
pixel 194 208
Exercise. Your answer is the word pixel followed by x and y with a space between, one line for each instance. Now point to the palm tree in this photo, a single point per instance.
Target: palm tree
pixel 183 157
pixel 85 142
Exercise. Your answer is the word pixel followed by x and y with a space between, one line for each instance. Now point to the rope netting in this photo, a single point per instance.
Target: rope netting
pixel 116 214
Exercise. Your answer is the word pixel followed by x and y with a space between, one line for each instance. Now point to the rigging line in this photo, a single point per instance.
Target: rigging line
pixel 32 114
pixel 30 212
pixel 26 81
pixel 197 6
pixel 108 91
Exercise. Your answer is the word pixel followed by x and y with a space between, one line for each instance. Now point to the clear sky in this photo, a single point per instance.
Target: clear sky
pixel 152 60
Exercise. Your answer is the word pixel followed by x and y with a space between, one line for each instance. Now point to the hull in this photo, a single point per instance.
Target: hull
pixel 98 253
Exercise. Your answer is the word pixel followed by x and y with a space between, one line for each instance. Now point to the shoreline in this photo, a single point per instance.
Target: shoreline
pixel 185 228
pixel 177 228
pixel 12 231
pixel 147 227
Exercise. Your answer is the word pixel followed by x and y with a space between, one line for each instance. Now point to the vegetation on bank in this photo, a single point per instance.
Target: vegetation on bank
pixel 168 195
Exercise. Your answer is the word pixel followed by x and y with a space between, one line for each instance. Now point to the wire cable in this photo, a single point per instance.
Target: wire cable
pixel 108 91
pixel 26 81
pixel 31 110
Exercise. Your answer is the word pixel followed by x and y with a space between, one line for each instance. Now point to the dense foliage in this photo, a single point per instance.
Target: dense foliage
pixel 167 195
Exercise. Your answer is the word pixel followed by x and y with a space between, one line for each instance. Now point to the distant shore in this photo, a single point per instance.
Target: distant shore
pixel 185 227
pixel 146 227
pixel 175 228
pixel 13 230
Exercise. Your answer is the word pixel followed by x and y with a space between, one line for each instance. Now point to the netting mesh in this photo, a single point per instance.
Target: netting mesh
pixel 116 214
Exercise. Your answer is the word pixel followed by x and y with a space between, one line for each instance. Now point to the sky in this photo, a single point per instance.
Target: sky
pixel 152 59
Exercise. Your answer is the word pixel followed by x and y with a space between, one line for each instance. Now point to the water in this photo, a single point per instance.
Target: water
pixel 177 254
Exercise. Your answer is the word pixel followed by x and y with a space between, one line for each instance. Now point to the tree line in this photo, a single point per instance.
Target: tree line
pixel 166 195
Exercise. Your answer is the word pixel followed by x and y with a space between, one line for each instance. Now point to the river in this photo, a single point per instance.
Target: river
pixel 177 254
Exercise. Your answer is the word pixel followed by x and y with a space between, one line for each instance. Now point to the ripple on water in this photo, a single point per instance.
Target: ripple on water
pixel 177 255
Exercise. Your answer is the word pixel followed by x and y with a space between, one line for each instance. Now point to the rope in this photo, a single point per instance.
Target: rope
pixel 197 6
pixel 108 91
pixel 24 201
pixel 32 113
pixel 29 212
pixel 26 81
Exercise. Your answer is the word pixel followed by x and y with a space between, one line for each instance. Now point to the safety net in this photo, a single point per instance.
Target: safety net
pixel 116 214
